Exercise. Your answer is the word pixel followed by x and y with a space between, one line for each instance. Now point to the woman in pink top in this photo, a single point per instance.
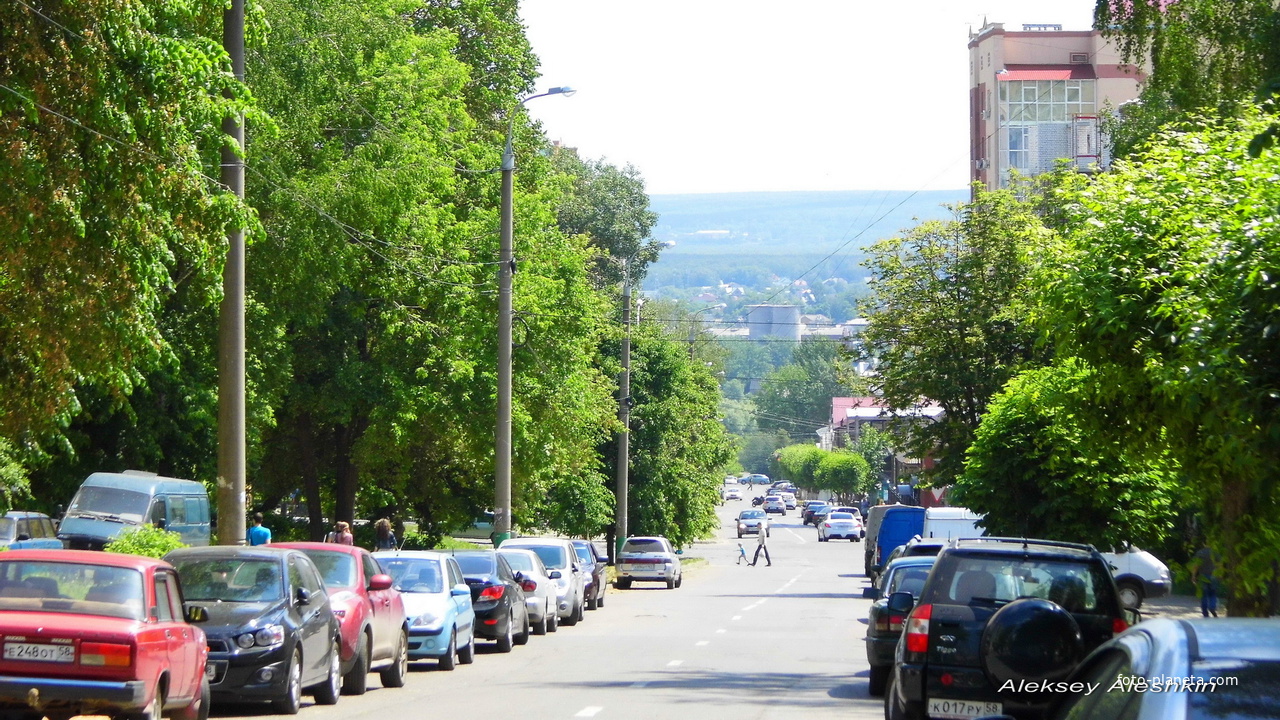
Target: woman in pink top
pixel 341 534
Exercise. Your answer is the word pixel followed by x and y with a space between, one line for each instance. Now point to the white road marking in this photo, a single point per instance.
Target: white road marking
pixel 589 711
pixel 737 617
pixel 701 643
pixel 788 584
pixel 675 663
pixel 793 532
pixel 720 631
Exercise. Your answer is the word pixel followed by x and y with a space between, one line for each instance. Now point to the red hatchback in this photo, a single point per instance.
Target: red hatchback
pixel 97 633
pixel 375 632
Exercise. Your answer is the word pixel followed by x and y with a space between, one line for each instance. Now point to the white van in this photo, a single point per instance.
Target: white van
pixel 949 523
pixel 1139 575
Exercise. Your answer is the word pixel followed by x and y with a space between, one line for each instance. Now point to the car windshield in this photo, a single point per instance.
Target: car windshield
pixel 475 563
pixel 643 546
pixel 337 568
pixel 413 575
pixel 113 502
pixel 518 561
pixel 751 514
pixel 73 588
pixel 553 556
pixel 1241 690
pixel 7 528
pixel 230 579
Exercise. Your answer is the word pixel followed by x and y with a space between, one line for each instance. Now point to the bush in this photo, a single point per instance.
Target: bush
pixel 147 541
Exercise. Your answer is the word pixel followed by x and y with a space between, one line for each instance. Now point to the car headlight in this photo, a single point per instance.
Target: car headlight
pixel 265 637
pixel 426 620
pixel 742 526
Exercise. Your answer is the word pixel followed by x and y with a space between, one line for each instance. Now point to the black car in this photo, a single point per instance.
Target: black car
pixel 596 565
pixel 496 596
pixel 883 627
pixel 994 614
pixel 811 508
pixel 270 629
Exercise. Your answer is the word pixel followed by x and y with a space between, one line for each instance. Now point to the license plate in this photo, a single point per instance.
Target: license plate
pixel 210 671
pixel 962 709
pixel 39 652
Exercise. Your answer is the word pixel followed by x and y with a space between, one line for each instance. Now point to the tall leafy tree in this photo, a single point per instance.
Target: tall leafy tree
pixel 947 319
pixel 609 205
pixel 797 397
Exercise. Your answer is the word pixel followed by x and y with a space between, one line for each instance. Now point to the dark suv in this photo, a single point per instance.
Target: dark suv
pixel 997 619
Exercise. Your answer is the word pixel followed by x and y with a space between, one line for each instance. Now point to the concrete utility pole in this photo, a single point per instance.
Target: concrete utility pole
pixel 624 413
pixel 231 368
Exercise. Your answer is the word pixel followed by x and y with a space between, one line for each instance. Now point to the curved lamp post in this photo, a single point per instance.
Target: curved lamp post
pixel 502 440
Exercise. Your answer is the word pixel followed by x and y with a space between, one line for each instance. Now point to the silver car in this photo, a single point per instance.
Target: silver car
pixel 648 558
pixel 562 565
pixel 539 589
pixel 753 522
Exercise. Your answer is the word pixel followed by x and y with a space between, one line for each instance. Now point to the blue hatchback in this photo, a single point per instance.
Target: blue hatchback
pixel 437 602
pixel 24 530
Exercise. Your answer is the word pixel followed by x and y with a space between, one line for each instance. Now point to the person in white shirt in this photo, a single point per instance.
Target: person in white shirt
pixel 761 546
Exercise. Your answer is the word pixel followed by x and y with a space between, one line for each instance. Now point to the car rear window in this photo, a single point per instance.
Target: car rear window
pixel 839 516
pixel 518 561
pixel 963 579
pixel 643 546
pixel 553 556
pixel 475 563
pixel 74 588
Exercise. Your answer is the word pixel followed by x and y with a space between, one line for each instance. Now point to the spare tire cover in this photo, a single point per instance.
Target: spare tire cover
pixel 1031 639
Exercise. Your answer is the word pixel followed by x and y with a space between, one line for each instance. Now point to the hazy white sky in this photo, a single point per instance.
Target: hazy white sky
pixel 771 95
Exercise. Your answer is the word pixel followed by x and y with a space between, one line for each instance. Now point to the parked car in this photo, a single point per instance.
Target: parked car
pixel 539 588
pixel 98 633
pixel 1139 575
pixel 648 558
pixel 841 526
pixel 806 512
pixel 562 565
pixel 26 530
pixel 496 596
pixel 1195 669
pixel 375 633
pixel 437 603
pixel 107 503
pixel 993 613
pixel 916 547
pixel 884 628
pixel 753 522
pixel 596 566
pixel 775 503
pixel 945 523
pixel 271 629
pixel 898 524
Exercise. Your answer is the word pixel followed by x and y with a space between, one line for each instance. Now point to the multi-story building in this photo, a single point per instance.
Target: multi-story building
pixel 1037 96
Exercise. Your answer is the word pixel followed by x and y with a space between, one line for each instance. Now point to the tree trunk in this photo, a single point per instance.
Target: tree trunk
pixel 1242 602
pixel 347 474
pixel 309 467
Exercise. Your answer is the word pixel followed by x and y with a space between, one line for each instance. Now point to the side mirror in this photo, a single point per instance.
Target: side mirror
pixel 680 551
pixel 197 614
pixel 380 582
pixel 1131 616
pixel 871 593
pixel 554 575
pixel 459 590
pixel 901 603
pixel 301 596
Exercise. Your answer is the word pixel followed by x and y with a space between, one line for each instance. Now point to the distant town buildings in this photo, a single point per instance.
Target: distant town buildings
pixel 1038 95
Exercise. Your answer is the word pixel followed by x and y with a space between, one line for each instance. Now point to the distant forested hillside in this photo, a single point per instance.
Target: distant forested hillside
pixel 749 237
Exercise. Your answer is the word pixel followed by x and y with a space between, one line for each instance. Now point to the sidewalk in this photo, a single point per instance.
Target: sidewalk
pixel 1176 606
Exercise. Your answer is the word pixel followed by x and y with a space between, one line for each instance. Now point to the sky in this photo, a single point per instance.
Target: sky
pixel 707 96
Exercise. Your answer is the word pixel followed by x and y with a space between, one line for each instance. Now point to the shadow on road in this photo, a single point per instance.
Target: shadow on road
pixel 798 596
pixel 793 689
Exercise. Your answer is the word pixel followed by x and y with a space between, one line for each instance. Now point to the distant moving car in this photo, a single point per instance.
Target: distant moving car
pixel 1195 669
pixel 437 603
pixel 774 503
pixel 648 558
pixel 539 588
pixel 753 522
pixel 271 629
pixel 840 526
pixel 563 567
pixel 807 510
pixel 97 633
pixel 596 566
pixel 732 493
pixel 375 634
pixel 1138 574
pixel 884 628
pixel 496 597
pixel 22 529
pixel 789 500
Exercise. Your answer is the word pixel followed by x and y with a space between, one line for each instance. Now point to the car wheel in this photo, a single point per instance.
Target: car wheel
pixel 505 640
pixel 553 618
pixel 467 653
pixel 153 710
pixel 623 583
pixel 199 708
pixel 679 579
pixel 448 659
pixel 327 692
pixel 582 615
pixel 572 620
pixel 591 603
pixel 879 676
pixel 600 598
pixel 671 583
pixel 356 681
pixel 522 637
pixel 292 700
pixel 394 674
pixel 540 627
pixel 1131 595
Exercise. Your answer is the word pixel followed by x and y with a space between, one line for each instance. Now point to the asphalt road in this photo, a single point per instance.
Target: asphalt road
pixel 734 642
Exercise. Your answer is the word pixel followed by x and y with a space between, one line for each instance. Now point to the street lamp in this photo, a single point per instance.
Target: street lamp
pixel 502 439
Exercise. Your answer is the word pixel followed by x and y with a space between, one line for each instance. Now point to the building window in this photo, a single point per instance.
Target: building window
pixel 1019 148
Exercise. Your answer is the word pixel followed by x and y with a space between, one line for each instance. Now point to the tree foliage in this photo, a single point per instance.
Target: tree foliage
pixel 797 397
pixel 845 473
pixel 799 464
pixel 609 205
pixel 147 541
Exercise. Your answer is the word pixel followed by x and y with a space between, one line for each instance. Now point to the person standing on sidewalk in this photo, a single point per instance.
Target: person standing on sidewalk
pixel 762 547
pixel 257 534
pixel 1204 565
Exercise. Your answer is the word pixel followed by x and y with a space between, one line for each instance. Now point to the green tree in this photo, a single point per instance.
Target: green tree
pixel 609 205
pixel 876 447
pixel 799 464
pixel 846 474
pixel 797 397
pixel 1166 286
pixel 947 319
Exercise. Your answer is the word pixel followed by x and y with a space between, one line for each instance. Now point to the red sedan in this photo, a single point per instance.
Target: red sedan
pixel 97 633
pixel 375 632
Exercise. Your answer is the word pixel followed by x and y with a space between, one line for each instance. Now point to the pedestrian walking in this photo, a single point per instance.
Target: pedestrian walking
pixel 742 553
pixel 384 538
pixel 762 547
pixel 257 534
pixel 1204 565
pixel 341 534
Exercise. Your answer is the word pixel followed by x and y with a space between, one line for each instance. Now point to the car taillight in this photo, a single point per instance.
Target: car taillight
pixel 1118 625
pixel 917 629
pixel 493 592
pixel 826 525
pixel 895 623
pixel 105 654
pixel 528 585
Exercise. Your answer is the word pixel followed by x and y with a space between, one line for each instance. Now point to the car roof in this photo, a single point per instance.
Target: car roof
pixel 25 514
pixel 1019 546
pixel 331 547
pixel 248 552
pixel 912 561
pixel 84 557
pixel 532 541
pixel 418 554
